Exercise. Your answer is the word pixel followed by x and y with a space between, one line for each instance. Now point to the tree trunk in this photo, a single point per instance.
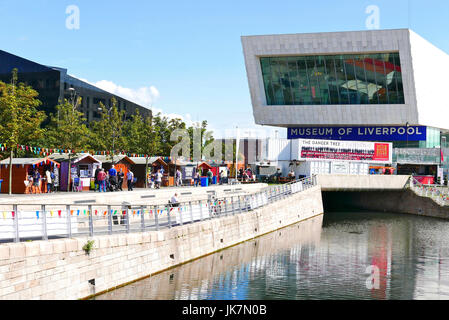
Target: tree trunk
pixel 146 172
pixel 10 172
pixel 69 173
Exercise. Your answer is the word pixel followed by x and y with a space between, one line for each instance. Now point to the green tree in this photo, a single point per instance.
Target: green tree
pixel 205 136
pixel 67 130
pixel 143 138
pixel 20 121
pixel 164 127
pixel 108 133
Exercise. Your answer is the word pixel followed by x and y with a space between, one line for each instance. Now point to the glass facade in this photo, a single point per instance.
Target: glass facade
pixel 333 79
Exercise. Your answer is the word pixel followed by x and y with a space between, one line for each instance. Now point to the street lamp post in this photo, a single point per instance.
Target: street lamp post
pixel 74 103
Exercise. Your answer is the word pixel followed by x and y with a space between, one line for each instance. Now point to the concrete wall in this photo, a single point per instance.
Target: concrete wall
pixel 398 201
pixel 324 43
pixel 60 269
pixel 203 274
pixel 360 183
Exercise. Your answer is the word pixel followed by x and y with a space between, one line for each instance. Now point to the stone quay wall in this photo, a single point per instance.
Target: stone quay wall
pixel 62 270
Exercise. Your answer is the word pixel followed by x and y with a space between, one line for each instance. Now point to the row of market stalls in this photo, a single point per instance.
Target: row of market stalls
pixel 83 166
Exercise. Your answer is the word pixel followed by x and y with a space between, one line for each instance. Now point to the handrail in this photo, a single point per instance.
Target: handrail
pixel 44 221
pixel 438 194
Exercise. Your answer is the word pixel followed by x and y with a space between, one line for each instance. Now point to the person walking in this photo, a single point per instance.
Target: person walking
pixel 97 183
pixel 102 180
pixel 196 178
pixel 178 178
pixel 120 178
pixel 210 175
pixel 49 180
pixel 158 178
pixel 36 181
pixel 130 179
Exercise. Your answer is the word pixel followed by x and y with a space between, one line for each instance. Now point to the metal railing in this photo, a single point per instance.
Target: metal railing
pixel 439 194
pixel 34 221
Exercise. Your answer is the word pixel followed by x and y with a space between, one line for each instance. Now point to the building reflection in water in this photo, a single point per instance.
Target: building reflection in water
pixel 228 274
pixel 316 259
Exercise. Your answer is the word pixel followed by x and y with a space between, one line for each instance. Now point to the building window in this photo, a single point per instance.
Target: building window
pixel 333 79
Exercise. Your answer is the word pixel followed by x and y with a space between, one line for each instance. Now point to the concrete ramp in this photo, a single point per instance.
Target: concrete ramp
pixel 362 182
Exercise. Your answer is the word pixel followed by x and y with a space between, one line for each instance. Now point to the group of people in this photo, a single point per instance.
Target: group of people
pixel 34 178
pixel 112 180
pixel 246 175
pixel 155 180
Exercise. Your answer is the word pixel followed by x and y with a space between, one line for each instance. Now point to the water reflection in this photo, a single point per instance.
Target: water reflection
pixel 317 259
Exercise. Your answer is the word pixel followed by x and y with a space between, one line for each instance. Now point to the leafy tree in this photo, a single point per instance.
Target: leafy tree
pixel 143 137
pixel 164 128
pixel 206 136
pixel 20 121
pixel 67 130
pixel 108 133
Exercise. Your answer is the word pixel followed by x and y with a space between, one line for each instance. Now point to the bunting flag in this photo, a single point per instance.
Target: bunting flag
pixel 51 213
pixel 48 151
pixel 96 212
pixel 134 212
pixel 105 212
pixel 13 214
pixel 59 213
pixel 138 212
pixel 84 212
pixel 37 215
pixel 115 212
pixel 4 215
pixel 71 212
pixel 77 212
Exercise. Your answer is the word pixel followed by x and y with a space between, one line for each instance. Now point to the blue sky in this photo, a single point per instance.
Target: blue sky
pixel 189 52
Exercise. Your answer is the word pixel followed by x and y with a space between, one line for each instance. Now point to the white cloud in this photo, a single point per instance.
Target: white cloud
pixel 144 96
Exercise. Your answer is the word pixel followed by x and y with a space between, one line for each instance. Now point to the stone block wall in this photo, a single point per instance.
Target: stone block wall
pixel 60 269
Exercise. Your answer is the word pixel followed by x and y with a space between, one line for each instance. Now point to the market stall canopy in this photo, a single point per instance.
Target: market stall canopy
pixel 61 157
pixel 30 161
pixel 117 158
pixel 143 160
pixel 160 161
pixel 205 165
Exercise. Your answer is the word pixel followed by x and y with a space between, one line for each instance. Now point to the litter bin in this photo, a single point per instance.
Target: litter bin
pixel 204 181
pixel 214 180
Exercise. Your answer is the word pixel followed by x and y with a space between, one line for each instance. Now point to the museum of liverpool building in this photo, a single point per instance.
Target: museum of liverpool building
pixel 53 84
pixel 352 100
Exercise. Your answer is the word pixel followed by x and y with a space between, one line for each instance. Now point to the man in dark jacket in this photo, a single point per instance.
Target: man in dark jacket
pixel 120 177
pixel 97 183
